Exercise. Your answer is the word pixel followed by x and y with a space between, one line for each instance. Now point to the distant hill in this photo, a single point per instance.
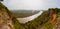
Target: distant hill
pixel 24 13
pixel 47 20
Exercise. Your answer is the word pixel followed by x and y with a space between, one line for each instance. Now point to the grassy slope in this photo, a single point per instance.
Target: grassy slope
pixel 42 20
pixel 30 25
pixel 6 9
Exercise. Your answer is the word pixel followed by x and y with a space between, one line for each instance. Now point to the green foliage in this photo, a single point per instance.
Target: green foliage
pixel 10 13
pixel 5 8
pixel 39 21
pixel 1 5
pixel 56 10
pixel 16 24
pixel 42 20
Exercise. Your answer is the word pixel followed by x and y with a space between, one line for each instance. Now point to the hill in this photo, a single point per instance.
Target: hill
pixel 47 20
pixel 24 13
pixel 5 18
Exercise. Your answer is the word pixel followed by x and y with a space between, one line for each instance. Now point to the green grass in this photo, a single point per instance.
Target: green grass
pixel 16 24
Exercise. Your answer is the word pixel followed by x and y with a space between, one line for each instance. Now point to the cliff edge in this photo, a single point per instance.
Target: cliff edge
pixel 5 18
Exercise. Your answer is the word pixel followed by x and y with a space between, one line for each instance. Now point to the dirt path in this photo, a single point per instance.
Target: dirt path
pixel 57 26
pixel 52 17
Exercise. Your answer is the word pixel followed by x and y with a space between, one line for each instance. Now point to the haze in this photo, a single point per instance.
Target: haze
pixel 31 4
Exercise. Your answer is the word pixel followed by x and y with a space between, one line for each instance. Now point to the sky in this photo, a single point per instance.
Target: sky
pixel 31 4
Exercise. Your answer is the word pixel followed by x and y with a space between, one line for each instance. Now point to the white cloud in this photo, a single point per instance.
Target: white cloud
pixel 30 4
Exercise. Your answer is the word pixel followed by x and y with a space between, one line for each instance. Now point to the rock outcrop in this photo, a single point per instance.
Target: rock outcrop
pixel 5 18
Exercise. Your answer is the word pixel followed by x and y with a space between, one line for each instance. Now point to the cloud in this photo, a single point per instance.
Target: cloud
pixel 31 4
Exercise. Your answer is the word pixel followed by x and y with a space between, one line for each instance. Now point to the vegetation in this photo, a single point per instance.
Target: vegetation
pixel 24 13
pixel 5 8
pixel 56 10
pixel 40 21
pixel 16 24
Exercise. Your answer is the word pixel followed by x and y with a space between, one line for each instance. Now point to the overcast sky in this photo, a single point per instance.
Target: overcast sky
pixel 31 4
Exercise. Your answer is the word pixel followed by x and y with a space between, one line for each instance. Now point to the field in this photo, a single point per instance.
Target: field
pixel 24 13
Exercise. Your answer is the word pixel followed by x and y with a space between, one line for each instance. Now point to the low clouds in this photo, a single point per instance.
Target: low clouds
pixel 31 4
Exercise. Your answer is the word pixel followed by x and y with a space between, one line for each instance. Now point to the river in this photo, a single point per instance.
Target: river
pixel 26 19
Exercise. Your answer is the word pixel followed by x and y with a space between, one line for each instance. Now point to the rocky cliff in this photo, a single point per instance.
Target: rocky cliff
pixel 5 18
